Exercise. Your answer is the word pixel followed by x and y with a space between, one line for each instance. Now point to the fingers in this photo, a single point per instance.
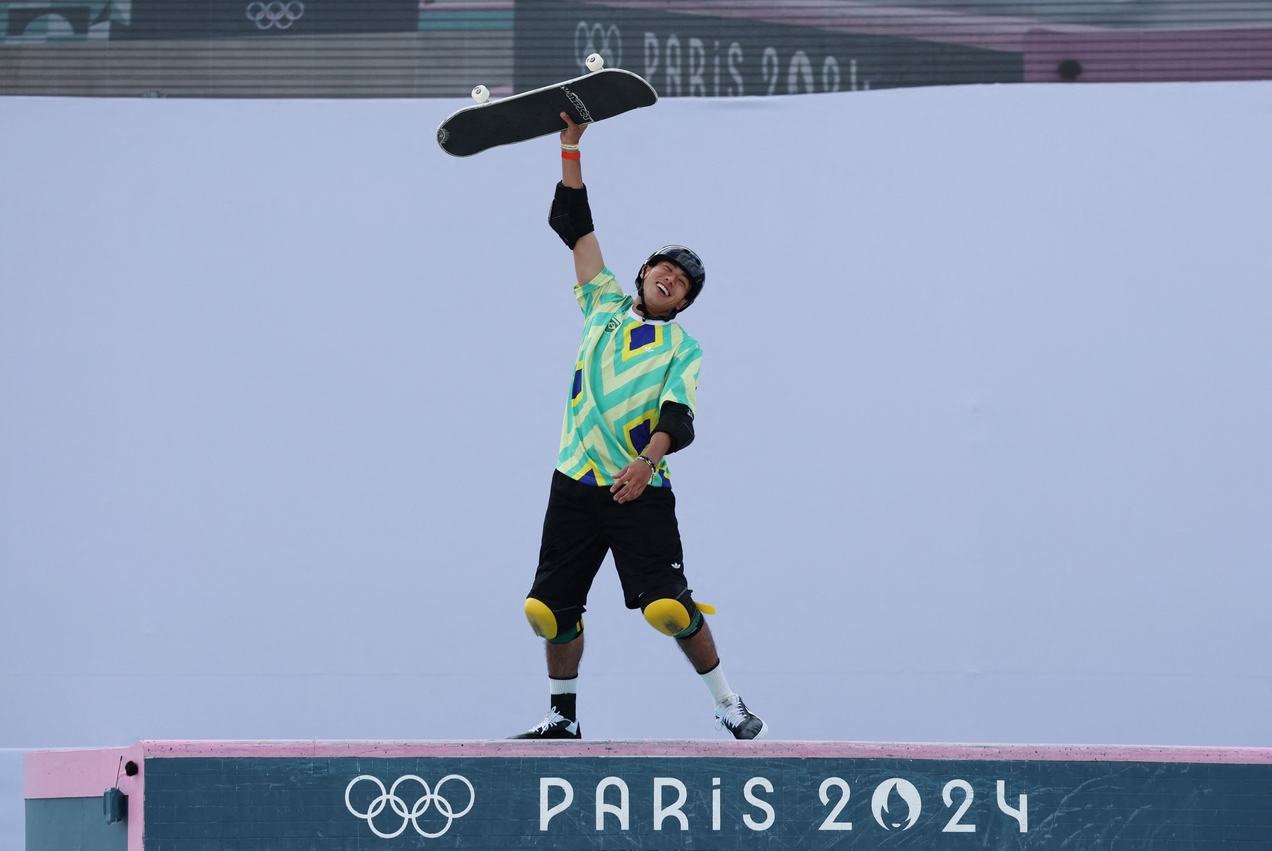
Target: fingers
pixel 572 132
pixel 631 482
pixel 622 482
pixel 629 491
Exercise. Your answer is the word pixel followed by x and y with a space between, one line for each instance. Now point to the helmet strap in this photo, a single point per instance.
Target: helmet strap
pixel 647 315
pixel 644 311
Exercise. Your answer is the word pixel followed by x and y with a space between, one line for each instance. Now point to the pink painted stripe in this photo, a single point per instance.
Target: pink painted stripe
pixel 87 774
pixel 442 6
pixel 692 748
pixel 1152 56
pixel 992 32
pixel 75 774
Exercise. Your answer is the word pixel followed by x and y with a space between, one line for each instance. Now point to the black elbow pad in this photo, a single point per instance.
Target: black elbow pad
pixel 570 216
pixel 676 421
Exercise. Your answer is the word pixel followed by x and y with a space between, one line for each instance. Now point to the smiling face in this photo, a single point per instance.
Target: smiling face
pixel 666 288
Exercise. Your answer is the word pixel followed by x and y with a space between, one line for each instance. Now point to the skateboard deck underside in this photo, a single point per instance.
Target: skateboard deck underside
pixel 588 99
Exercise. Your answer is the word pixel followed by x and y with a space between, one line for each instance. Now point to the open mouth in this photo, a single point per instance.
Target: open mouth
pixel 663 290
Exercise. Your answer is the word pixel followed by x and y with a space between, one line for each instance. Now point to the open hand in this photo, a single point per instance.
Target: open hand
pixel 572 132
pixel 631 481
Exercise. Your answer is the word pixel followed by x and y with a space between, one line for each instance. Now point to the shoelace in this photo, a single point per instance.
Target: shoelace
pixel 730 714
pixel 552 719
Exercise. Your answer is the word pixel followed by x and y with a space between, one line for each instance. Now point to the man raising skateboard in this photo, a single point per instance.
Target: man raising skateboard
pixel 631 404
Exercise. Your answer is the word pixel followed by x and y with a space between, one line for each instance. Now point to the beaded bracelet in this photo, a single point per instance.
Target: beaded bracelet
pixel 653 468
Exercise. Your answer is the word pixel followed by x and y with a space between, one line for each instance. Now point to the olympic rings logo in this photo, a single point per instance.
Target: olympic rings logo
pixel 431 797
pixel 275 13
pixel 597 38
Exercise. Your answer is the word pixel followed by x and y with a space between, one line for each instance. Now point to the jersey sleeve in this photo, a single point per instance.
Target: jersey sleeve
pixel 600 293
pixel 682 378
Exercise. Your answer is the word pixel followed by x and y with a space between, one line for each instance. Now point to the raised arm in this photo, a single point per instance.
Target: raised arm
pixel 570 216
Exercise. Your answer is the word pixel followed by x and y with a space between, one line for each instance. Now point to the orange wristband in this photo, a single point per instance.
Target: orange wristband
pixel 566 155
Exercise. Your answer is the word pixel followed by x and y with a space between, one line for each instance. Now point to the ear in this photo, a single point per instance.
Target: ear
pixel 644 270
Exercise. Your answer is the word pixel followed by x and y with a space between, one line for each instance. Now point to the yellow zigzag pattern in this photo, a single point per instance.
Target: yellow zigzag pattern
pixel 598 438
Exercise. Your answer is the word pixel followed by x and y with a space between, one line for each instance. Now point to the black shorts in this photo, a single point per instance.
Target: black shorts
pixel 583 522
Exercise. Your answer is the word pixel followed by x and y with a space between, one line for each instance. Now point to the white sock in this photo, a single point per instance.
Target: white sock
pixel 717 684
pixel 570 686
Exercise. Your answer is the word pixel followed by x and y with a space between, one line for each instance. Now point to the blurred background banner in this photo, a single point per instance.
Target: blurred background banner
pixel 713 50
pixel 687 48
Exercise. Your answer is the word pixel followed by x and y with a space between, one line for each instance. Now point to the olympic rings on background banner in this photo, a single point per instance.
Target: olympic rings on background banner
pixel 275 13
pixel 597 38
pixel 431 797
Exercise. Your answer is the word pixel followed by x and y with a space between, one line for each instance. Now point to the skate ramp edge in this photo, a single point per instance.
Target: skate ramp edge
pixel 651 794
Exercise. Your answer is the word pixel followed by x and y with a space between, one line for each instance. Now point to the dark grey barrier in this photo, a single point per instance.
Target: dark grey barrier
pixel 727 55
pixel 164 19
pixel 704 48
pixel 570 796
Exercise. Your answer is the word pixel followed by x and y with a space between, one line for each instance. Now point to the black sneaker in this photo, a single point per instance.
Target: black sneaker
pixel 554 726
pixel 733 716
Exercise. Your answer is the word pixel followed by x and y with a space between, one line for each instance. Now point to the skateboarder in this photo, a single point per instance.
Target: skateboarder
pixel 631 404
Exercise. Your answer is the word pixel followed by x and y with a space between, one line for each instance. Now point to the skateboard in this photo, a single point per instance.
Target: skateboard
pixel 601 94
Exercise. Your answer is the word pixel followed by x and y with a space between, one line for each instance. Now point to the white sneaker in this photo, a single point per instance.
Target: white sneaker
pixel 732 715
pixel 554 726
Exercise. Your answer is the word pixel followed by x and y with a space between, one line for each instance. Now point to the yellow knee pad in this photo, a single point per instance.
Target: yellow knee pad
pixel 679 616
pixel 544 623
pixel 668 616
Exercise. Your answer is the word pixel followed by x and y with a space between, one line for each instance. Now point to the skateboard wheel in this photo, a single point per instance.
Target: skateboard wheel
pixel 594 62
pixel 481 94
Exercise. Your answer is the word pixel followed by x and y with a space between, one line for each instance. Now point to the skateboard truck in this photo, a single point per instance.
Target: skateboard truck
pixel 594 62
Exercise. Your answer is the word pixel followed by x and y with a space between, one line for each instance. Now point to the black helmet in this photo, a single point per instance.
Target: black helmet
pixel 687 260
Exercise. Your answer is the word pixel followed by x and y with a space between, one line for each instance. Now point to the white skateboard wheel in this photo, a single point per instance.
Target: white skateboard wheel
pixel 594 62
pixel 481 94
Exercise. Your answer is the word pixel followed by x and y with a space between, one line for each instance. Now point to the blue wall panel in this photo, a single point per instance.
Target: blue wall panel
pixel 728 803
pixel 72 824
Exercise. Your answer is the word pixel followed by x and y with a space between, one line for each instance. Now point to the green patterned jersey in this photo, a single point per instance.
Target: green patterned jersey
pixel 625 370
